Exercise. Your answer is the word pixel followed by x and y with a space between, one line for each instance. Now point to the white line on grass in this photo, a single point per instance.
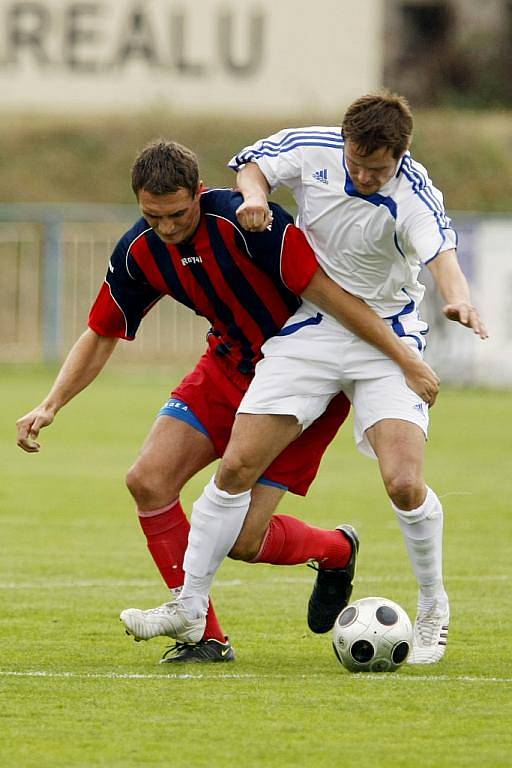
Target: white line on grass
pixel 401 677
pixel 113 583
pixel 116 675
pixel 96 583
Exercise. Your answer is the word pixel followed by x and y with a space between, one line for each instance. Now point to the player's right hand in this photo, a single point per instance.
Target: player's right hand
pixel 29 425
pixel 423 380
pixel 254 214
pixel 466 314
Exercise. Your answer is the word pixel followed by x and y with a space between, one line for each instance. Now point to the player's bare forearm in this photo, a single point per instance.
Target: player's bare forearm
pixel 85 360
pixel 454 289
pixel 254 214
pixel 359 318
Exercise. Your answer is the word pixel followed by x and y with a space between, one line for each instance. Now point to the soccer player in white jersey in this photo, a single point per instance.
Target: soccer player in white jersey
pixel 373 217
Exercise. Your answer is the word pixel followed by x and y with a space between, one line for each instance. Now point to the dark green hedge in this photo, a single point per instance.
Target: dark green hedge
pixel 468 154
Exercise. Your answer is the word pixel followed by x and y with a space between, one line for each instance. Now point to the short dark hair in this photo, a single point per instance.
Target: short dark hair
pixel 382 119
pixel 163 167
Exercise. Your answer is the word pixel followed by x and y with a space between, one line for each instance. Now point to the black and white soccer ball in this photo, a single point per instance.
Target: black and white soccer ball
pixel 372 635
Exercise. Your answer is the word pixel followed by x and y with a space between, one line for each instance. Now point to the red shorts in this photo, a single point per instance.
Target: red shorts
pixel 213 393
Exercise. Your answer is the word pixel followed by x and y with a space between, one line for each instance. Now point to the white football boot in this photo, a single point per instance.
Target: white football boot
pixel 168 619
pixel 430 634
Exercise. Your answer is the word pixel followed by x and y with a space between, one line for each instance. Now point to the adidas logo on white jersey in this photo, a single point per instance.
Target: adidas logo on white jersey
pixel 321 175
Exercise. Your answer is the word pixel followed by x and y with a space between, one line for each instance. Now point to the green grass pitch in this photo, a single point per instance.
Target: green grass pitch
pixel 75 691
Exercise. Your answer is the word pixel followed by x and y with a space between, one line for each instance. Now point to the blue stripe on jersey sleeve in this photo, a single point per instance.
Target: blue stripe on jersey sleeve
pixel 421 186
pixel 300 137
pixel 440 249
pixel 422 189
pixel 247 156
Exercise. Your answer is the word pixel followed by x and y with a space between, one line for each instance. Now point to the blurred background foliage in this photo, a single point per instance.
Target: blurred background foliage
pixel 76 159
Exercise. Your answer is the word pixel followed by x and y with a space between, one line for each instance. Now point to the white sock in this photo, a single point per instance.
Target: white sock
pixel 423 533
pixel 217 518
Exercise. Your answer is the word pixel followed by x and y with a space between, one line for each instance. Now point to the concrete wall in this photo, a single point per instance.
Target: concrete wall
pixel 207 56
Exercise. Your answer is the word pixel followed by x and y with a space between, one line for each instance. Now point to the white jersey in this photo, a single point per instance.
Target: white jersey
pixel 372 245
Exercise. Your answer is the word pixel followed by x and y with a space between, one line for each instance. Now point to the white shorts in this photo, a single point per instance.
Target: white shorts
pixel 314 357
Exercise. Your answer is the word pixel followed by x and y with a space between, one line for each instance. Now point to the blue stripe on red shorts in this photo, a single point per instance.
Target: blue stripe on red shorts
pixel 177 409
pixel 180 410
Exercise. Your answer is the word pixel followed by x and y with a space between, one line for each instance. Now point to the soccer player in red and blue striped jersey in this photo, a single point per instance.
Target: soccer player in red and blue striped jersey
pixel 189 246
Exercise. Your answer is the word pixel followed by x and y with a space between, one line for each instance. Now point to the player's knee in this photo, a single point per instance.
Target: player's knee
pixel 236 474
pixel 405 490
pixel 145 487
pixel 136 482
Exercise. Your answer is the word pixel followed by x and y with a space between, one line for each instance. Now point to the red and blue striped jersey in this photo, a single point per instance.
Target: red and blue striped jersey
pixel 245 283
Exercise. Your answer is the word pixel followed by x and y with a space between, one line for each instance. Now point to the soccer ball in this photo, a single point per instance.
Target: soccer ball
pixel 372 635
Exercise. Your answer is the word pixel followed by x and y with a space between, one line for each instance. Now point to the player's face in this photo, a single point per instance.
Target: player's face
pixel 174 217
pixel 369 172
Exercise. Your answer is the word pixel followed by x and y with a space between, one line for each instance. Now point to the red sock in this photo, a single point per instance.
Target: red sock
pixel 290 541
pixel 166 531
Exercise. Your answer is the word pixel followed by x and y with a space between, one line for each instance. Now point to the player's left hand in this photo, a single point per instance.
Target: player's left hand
pixel 422 379
pixel 466 314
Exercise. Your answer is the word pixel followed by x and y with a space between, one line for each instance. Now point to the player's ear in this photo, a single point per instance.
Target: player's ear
pixel 200 188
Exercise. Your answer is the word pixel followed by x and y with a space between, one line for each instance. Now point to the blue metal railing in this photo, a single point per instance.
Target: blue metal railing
pixel 51 218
